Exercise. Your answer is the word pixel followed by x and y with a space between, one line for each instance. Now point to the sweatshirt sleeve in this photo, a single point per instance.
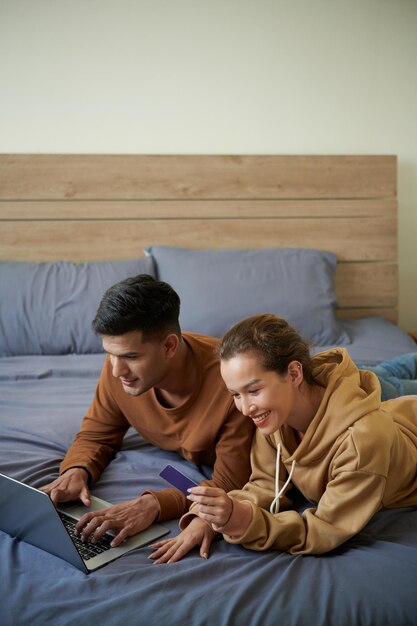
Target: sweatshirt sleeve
pixel 352 496
pixel 232 457
pixel 232 463
pixel 172 503
pixel 101 433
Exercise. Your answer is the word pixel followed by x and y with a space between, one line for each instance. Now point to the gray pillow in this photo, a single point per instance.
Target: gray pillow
pixel 47 308
pixel 220 287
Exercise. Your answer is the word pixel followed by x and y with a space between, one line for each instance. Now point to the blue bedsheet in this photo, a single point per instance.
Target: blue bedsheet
pixel 371 580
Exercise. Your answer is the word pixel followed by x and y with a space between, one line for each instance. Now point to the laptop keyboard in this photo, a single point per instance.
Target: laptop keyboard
pixel 87 550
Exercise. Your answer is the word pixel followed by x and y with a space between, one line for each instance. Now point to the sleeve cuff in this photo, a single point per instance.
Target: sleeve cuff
pixel 250 534
pixel 185 520
pixel 172 503
pixel 90 478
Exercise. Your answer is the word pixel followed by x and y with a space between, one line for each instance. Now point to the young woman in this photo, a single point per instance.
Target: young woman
pixel 321 426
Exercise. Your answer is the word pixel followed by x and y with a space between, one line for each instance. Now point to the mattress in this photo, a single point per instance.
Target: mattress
pixel 42 402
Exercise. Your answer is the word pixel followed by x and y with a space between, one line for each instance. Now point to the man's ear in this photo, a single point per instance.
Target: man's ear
pixel 295 372
pixel 170 344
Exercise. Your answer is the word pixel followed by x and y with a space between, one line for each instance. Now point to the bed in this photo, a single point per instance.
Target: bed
pixel 212 226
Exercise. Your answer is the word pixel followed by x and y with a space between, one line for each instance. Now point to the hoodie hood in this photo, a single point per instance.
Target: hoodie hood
pixel 350 394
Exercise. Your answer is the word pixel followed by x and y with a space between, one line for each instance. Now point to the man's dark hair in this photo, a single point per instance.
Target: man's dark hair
pixel 139 303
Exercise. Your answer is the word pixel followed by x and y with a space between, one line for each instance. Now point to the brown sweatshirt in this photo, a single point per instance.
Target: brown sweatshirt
pixel 357 456
pixel 206 429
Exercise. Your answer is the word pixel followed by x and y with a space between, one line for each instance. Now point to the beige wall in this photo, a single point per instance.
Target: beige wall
pixel 218 76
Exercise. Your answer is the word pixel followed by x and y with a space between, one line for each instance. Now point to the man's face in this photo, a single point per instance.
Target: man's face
pixel 137 364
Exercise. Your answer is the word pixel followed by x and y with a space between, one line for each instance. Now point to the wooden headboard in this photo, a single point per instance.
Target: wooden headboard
pixel 98 207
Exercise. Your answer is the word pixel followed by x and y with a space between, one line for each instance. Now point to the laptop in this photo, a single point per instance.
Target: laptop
pixel 28 514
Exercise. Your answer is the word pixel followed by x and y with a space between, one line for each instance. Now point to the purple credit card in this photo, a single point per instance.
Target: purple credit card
pixel 177 478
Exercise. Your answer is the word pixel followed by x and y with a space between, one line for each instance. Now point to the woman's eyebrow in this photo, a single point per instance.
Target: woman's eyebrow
pixel 254 381
pixel 124 354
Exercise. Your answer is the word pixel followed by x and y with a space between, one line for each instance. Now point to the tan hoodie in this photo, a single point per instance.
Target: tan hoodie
pixel 357 456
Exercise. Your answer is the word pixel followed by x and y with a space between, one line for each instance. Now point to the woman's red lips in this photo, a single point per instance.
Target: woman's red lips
pixel 259 420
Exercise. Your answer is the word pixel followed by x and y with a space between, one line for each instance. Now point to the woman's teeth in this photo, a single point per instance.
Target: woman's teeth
pixel 260 418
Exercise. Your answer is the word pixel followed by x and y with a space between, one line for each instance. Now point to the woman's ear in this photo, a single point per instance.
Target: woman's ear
pixel 295 373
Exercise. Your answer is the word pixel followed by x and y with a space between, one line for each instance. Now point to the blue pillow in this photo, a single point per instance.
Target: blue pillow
pixel 47 308
pixel 220 287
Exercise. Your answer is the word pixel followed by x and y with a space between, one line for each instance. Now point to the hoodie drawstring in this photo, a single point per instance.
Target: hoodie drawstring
pixel 274 508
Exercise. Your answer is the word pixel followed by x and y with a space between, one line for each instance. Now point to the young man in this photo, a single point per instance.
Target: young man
pixel 167 385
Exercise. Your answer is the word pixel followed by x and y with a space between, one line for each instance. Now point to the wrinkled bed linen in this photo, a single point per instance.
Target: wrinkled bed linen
pixel 369 580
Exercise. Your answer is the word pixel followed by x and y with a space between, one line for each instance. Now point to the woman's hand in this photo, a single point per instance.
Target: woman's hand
pixel 214 505
pixel 197 533
pixel 225 514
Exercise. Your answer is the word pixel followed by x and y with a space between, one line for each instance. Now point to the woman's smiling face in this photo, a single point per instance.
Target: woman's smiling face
pixel 266 397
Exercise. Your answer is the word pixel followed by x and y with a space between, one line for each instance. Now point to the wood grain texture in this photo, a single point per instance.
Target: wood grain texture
pixel 366 239
pixel 130 177
pixel 193 209
pixel 98 207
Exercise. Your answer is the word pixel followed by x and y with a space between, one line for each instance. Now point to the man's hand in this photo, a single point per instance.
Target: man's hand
pixel 72 485
pixel 197 533
pixel 125 519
